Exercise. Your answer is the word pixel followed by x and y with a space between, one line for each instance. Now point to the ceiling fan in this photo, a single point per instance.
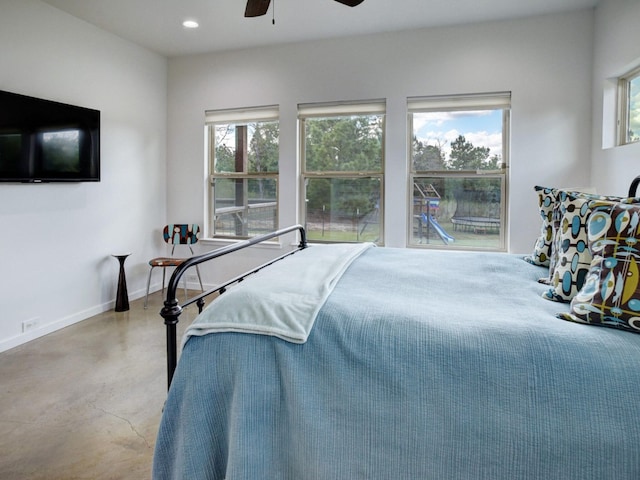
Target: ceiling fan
pixel 256 8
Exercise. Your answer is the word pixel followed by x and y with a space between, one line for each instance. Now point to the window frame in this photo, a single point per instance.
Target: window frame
pixel 236 117
pixel 460 103
pixel 624 106
pixel 340 109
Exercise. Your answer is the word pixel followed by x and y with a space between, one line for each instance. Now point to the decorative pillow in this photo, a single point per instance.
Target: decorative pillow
pixel 556 217
pixel 542 248
pixel 610 296
pixel 571 257
pixel 545 251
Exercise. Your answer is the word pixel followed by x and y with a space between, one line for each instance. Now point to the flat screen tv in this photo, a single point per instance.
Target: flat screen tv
pixel 46 141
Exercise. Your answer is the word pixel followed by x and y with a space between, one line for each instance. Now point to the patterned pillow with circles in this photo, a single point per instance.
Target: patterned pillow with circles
pixel 610 296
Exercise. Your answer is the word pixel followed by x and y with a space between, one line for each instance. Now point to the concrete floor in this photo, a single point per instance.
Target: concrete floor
pixel 85 402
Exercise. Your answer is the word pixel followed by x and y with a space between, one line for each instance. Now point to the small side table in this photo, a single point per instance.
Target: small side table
pixel 122 297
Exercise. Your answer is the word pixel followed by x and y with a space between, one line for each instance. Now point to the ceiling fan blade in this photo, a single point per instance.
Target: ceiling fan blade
pixel 256 8
pixel 351 3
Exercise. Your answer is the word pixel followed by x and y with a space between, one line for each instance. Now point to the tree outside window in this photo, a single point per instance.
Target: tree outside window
pixel 458 158
pixel 243 172
pixel 342 171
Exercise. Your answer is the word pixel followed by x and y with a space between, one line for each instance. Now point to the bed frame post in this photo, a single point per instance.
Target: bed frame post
pixel 172 309
pixel 633 188
pixel 171 314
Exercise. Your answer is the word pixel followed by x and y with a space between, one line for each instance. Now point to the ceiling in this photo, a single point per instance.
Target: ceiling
pixel 157 24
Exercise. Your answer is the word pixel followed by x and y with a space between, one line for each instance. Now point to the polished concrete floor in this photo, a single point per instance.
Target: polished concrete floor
pixel 85 402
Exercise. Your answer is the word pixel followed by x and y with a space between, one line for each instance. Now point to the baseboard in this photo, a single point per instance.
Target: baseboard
pixel 56 325
pixel 51 327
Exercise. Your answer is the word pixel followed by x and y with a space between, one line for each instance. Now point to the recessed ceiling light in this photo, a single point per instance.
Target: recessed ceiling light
pixel 190 24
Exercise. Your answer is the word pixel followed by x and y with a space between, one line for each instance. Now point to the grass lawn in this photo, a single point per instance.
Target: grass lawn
pixel 463 238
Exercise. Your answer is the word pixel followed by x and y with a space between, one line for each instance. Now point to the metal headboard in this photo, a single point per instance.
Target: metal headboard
pixel 634 186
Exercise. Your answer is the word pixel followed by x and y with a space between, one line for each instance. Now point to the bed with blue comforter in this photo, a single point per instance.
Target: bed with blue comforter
pixel 360 362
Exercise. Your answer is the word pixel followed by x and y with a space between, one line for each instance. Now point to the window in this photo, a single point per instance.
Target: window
pixel 342 160
pixel 243 172
pixel 458 163
pixel 629 109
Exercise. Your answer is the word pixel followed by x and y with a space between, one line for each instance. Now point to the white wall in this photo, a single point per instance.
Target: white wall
pixel 545 61
pixel 617 50
pixel 48 275
pixel 57 239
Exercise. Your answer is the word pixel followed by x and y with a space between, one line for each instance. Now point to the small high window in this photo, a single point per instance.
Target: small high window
pixel 629 107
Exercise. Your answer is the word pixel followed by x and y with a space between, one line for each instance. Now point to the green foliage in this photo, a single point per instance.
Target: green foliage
pixel 343 144
pixel 343 196
pixel 224 159
pixel 262 157
pixel 427 157
pixel 464 156
pixel 264 148
pixel 475 193
pixel 262 151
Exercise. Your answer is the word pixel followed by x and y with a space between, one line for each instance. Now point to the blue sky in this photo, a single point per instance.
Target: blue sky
pixel 483 128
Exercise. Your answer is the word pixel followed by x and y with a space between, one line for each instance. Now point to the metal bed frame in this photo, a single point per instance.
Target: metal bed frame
pixel 172 308
pixel 634 186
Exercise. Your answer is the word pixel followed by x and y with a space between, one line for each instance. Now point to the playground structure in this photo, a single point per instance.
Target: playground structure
pixel 427 222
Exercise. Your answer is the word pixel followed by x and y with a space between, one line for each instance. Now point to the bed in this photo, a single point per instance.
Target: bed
pixel 363 362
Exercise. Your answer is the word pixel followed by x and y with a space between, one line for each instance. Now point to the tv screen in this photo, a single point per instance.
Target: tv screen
pixel 46 141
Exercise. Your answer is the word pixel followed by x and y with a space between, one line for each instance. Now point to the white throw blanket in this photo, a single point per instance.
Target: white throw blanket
pixel 287 303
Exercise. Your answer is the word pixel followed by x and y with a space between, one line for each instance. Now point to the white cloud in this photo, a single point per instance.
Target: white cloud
pixel 431 128
pixel 437 119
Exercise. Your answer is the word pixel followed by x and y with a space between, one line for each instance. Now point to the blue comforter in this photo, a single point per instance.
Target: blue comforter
pixel 420 365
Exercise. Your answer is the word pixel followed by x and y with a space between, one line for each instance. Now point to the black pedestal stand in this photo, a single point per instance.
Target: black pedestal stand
pixel 122 297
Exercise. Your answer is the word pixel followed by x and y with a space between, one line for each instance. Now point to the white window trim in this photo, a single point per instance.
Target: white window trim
pixel 337 109
pixel 480 101
pixel 239 115
pixel 463 102
pixel 623 105
pixel 236 116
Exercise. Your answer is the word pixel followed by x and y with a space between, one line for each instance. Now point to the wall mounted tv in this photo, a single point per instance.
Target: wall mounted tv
pixel 46 141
